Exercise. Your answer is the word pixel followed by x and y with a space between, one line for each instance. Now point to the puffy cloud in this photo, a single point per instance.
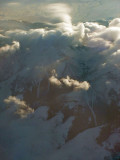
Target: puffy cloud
pixel 111 34
pixel 101 36
pixel 53 80
pixel 115 59
pixel 94 27
pixel 97 42
pixel 90 34
pixel 116 53
pixel 75 84
pixel 68 82
pixel 21 108
pixel 10 48
pixel 115 22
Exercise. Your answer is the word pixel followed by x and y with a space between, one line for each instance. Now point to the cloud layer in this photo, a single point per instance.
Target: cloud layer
pixel 61 76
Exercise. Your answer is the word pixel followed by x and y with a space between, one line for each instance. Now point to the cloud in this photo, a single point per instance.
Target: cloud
pixel 75 84
pixel 10 48
pixel 94 27
pixel 116 53
pixel 53 80
pixel 101 36
pixel 55 48
pixel 68 82
pixel 13 4
pixel 60 12
pixel 115 23
pixel 86 59
pixel 21 109
pixel 98 43
pixel 74 51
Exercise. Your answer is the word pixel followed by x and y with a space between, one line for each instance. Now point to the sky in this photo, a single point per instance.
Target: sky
pixel 81 10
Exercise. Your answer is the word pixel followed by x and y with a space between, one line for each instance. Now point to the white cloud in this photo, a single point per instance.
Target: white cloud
pixel 10 48
pixel 115 22
pixel 111 34
pixel 59 14
pixel 68 82
pixel 21 108
pixel 91 34
pixel 75 84
pixel 116 53
pixel 97 42
pixel 99 36
pixel 94 27
pixel 59 11
pixel 53 80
